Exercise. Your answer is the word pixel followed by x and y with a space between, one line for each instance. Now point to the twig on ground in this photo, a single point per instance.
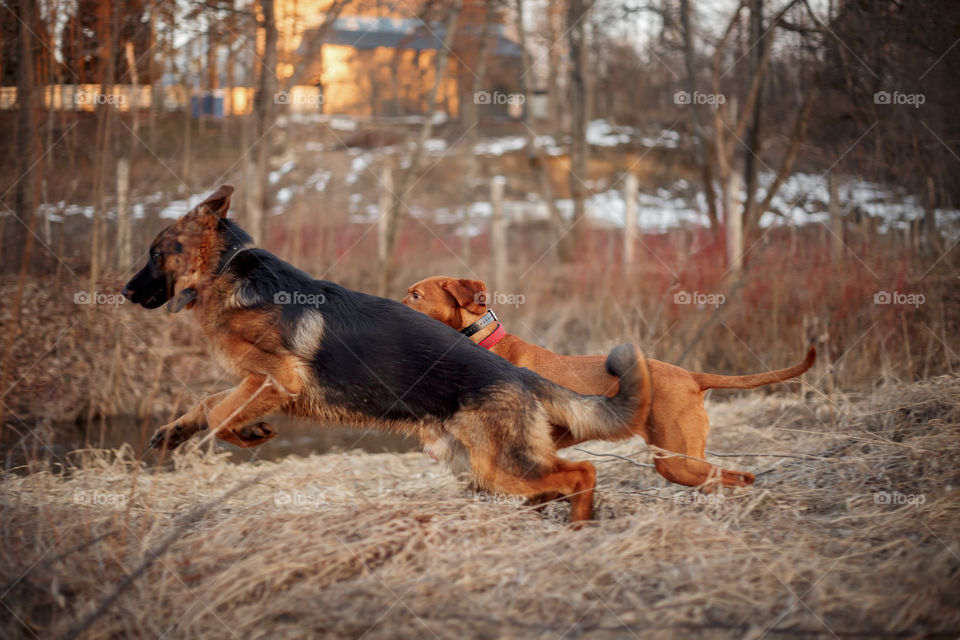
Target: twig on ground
pixel 153 555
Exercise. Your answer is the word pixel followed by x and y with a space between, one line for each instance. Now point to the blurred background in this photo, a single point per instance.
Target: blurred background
pixel 723 182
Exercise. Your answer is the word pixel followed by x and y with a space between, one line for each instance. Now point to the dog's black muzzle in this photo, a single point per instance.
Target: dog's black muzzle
pixel 148 288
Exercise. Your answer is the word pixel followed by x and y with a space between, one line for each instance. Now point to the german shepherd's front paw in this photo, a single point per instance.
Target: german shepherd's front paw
pixel 171 436
pixel 256 434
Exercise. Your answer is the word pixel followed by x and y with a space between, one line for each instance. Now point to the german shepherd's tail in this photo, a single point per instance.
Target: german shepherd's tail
pixel 713 381
pixel 605 417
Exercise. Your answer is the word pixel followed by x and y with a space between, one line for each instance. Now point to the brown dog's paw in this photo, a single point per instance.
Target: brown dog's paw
pixel 737 478
pixel 172 436
pixel 255 434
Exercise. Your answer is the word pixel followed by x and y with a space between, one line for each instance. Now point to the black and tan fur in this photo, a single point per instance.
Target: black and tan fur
pixel 337 355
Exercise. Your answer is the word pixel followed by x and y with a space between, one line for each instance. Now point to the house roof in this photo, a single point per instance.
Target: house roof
pixel 367 32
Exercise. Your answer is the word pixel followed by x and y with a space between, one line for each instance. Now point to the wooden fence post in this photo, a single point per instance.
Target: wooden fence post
pixel 734 225
pixel 836 220
pixel 630 186
pixel 498 233
pixel 123 215
pixel 384 230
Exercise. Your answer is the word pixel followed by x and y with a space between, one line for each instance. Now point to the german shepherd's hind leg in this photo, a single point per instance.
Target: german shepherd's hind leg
pixel 575 481
pixel 171 436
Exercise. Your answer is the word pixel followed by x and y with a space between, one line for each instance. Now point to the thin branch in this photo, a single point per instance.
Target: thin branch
pixel 613 455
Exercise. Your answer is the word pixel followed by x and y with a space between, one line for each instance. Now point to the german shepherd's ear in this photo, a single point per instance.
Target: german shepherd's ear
pixel 219 202
pixel 469 294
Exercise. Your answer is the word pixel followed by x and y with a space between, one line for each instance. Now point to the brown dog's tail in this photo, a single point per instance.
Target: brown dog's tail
pixel 604 417
pixel 713 381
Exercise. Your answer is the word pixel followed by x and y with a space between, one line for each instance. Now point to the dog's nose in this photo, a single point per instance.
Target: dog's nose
pixel 127 292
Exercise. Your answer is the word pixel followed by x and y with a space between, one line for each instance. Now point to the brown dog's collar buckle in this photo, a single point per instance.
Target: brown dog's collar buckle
pixel 485 320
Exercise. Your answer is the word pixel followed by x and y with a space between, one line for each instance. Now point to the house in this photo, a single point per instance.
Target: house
pixel 386 65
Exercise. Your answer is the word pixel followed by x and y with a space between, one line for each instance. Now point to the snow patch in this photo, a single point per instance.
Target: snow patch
pixel 359 164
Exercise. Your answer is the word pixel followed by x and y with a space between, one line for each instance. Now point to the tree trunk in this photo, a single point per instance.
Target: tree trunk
pixel 105 113
pixel 535 158
pixel 408 178
pixel 26 187
pixel 703 151
pixel 554 90
pixel 265 114
pixel 470 116
pixel 750 168
pixel 155 93
pixel 576 36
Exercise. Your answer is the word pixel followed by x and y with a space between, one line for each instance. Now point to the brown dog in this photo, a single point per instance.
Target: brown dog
pixel 677 421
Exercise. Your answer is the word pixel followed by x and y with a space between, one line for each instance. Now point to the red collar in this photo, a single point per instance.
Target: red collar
pixel 491 340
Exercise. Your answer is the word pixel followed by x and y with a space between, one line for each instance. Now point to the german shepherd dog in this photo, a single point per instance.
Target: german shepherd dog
pixel 314 349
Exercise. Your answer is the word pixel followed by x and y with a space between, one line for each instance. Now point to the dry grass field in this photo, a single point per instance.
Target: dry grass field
pixel 852 530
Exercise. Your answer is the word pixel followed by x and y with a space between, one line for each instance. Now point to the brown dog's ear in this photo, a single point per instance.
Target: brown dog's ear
pixel 218 203
pixel 469 294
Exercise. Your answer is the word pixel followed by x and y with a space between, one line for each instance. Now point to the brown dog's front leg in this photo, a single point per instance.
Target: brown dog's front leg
pixel 255 396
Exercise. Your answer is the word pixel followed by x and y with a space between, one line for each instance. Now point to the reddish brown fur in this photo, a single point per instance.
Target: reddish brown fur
pixel 677 421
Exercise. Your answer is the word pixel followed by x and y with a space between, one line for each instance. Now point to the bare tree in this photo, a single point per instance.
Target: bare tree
pixel 27 186
pixel 577 11
pixel 535 157
pixel 264 116
pixel 703 151
pixel 408 177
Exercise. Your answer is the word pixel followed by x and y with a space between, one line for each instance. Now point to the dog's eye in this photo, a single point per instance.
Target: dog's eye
pixel 416 295
pixel 155 255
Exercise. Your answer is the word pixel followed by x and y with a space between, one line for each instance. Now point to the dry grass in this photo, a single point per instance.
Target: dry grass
pixel 389 545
